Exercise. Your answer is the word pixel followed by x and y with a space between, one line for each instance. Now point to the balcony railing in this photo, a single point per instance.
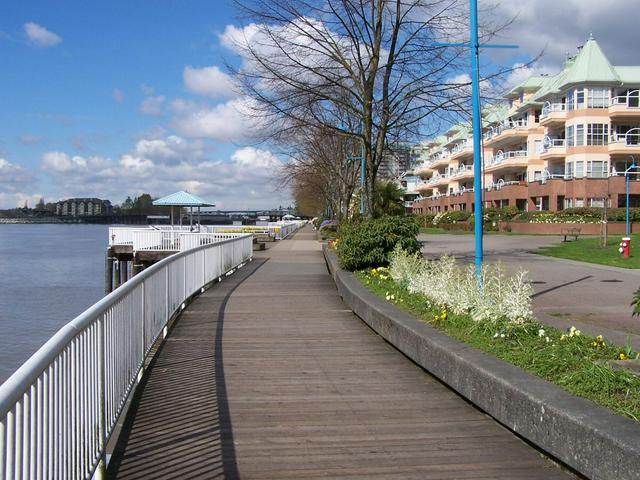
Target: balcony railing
pixel 461 170
pixel 508 125
pixel 550 143
pixel 629 100
pixel 500 157
pixel 629 139
pixel 549 108
pixel 458 147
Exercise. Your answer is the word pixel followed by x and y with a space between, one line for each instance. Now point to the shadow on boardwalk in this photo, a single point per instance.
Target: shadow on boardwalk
pixel 180 425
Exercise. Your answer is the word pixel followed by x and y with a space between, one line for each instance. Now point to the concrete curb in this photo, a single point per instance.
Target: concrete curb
pixel 594 441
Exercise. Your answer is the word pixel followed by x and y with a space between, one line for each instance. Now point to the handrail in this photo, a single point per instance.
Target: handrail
pixel 631 138
pixel 58 410
pixel 630 100
pixel 549 108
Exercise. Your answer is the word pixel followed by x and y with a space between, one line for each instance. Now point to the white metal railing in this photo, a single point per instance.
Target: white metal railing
pixel 167 238
pixel 549 108
pixel 461 170
pixel 502 156
pixel 461 146
pixel 549 143
pixel 58 410
pixel 630 100
pixel 629 139
pixel 506 125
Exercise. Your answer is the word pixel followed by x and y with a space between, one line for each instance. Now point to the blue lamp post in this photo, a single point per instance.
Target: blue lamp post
pixel 474 45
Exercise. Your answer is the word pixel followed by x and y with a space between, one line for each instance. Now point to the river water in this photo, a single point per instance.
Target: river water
pixel 48 275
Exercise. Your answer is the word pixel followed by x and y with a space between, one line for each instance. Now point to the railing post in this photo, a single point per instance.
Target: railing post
pixel 101 469
pixel 142 333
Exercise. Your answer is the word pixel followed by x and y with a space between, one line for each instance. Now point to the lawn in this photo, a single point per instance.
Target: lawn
pixel 589 250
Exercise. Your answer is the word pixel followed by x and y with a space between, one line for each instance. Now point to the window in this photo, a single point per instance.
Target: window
pixel 597 134
pixel 596 202
pixel 570 137
pixel 579 202
pixel 597 169
pixel 579 170
pixel 598 98
pixel 568 203
pixel 579 98
pixel 570 100
pixel 569 170
pixel 579 135
pixel 536 116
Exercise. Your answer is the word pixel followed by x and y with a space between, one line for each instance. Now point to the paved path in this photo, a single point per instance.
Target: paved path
pixel 268 375
pixel 595 298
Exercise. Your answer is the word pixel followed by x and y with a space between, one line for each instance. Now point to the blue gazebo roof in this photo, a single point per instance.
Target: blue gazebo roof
pixel 182 199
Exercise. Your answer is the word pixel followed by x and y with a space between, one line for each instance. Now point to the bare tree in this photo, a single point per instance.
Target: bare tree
pixel 324 168
pixel 312 63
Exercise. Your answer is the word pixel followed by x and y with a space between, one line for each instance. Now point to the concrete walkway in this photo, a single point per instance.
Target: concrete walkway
pixel 594 298
pixel 268 375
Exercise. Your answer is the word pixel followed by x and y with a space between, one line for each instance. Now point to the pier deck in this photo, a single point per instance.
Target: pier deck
pixel 268 375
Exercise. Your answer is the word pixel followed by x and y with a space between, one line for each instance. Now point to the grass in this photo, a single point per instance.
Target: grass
pixel 574 362
pixel 589 250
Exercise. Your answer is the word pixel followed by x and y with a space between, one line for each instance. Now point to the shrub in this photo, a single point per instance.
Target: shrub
pixel 425 219
pixel 451 216
pixel 329 230
pixel 456 288
pixel 503 214
pixel 369 244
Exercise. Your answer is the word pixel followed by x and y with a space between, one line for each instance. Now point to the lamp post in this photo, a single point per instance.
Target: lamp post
pixel 474 45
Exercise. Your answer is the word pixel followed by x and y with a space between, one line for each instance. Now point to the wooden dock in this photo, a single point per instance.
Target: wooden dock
pixel 268 375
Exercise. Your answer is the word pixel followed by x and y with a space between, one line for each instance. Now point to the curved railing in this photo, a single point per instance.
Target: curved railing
pixel 58 410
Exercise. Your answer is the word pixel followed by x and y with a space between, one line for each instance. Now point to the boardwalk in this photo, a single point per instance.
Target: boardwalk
pixel 267 375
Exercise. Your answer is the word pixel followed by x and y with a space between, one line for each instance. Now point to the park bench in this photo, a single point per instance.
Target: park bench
pixel 570 232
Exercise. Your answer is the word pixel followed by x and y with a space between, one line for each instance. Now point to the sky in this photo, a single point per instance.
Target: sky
pixel 118 98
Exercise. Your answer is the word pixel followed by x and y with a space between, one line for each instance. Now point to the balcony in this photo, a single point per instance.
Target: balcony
pixel 441 158
pixel 625 106
pixel 553 148
pixel 626 143
pixel 463 171
pixel 506 131
pixel 462 149
pixel 553 113
pixel 507 159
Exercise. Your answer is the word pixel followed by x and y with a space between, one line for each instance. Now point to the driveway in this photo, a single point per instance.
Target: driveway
pixel 594 298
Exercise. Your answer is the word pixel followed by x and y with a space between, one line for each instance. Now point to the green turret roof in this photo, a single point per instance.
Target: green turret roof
pixel 591 65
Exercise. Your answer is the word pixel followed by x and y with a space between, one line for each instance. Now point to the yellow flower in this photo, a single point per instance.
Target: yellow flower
pixel 622 356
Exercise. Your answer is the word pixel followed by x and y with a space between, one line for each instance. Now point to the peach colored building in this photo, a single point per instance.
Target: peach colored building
pixel 558 141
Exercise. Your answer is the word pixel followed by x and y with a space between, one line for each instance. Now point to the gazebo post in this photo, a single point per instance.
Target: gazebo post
pixel 190 218
pixel 198 217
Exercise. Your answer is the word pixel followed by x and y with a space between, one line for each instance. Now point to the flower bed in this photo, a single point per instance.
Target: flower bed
pixel 573 361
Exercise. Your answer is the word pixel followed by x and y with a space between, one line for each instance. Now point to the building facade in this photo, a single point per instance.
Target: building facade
pixel 83 207
pixel 558 141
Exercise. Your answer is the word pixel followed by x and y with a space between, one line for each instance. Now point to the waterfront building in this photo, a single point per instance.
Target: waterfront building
pixel 556 142
pixel 83 207
pixel 395 161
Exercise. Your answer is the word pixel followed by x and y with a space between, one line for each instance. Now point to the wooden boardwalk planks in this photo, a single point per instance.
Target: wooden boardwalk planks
pixel 268 375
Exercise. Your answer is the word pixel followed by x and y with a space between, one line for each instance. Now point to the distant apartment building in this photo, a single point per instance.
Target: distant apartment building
pixel 558 141
pixel 83 207
pixel 395 161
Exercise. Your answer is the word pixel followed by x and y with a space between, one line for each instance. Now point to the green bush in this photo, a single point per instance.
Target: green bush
pixel 424 219
pixel 369 244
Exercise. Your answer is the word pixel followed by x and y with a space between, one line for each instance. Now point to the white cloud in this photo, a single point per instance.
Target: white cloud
pixel 208 81
pixel 39 36
pixel 118 95
pixel 30 139
pixel 227 122
pixel 146 169
pixel 153 105
pixel 235 38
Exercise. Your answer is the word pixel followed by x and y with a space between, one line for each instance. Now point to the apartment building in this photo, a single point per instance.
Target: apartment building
pixel 83 207
pixel 557 141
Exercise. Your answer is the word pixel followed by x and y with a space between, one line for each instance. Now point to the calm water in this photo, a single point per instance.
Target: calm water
pixel 48 275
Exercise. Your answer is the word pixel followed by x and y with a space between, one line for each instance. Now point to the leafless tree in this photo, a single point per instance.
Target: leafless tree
pixel 325 169
pixel 311 63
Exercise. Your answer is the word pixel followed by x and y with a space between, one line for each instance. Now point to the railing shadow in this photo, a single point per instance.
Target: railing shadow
pixel 179 424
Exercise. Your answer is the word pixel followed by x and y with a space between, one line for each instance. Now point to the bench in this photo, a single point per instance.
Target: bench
pixel 570 232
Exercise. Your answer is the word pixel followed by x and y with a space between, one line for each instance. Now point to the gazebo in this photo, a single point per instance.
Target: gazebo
pixel 183 199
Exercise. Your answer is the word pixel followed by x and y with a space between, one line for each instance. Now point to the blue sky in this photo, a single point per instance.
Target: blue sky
pixel 117 98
